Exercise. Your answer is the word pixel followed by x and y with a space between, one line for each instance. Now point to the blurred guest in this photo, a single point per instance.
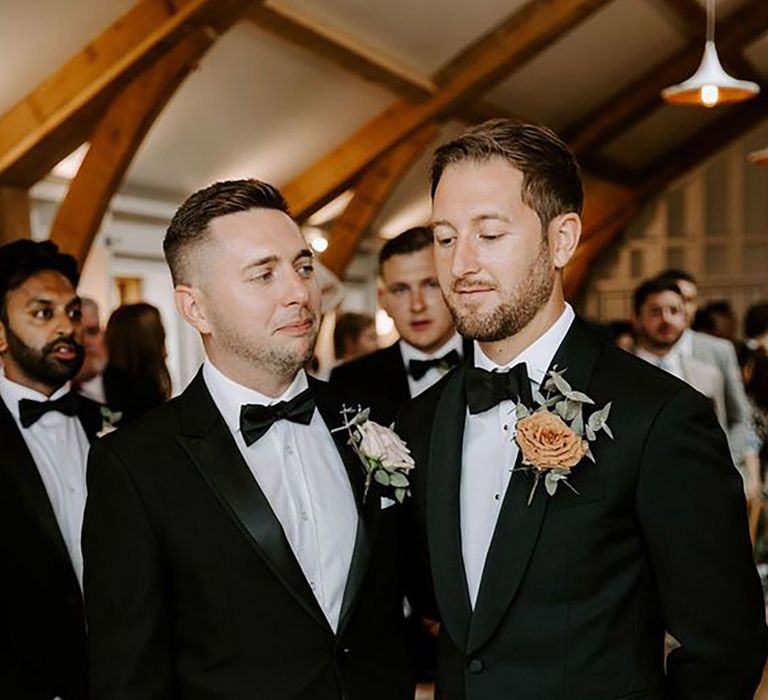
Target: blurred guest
pixel 756 326
pixel 136 378
pixel 623 335
pixel 354 335
pixel 45 431
pixel 89 380
pixel 722 355
pixel 429 344
pixel 659 324
pixel 716 318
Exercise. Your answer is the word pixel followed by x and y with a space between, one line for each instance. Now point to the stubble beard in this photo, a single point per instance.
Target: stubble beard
pixel 515 312
pixel 279 360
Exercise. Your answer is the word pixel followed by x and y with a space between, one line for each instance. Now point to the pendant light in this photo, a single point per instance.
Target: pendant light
pixel 759 157
pixel 710 85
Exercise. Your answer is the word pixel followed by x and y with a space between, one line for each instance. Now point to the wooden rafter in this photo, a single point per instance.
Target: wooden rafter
pixel 538 24
pixel 116 140
pixel 54 119
pixel 689 15
pixel 643 95
pixel 371 193
pixel 14 214
pixel 360 60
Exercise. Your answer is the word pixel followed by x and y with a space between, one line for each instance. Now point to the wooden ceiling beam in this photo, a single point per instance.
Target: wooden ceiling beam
pixel 15 217
pixel 115 141
pixel 520 37
pixel 371 193
pixel 689 16
pixel 53 120
pixel 643 95
pixel 362 61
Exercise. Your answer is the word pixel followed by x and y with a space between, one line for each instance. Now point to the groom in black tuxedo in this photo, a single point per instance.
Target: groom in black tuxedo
pixel 566 595
pixel 229 550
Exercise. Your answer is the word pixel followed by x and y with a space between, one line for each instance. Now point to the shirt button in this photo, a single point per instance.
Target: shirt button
pixel 475 666
pixel 289 451
pixel 312 585
pixel 304 515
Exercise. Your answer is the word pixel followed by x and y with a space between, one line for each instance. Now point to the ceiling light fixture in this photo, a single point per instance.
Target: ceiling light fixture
pixel 710 85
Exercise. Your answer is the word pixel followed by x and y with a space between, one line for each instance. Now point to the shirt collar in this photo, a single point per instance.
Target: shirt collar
pixel 229 396
pixel 11 393
pixel 411 353
pixel 538 355
pixel 685 345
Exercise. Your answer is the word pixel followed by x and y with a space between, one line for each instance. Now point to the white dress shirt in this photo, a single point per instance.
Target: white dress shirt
pixel 59 447
pixel 433 374
pixel 489 453
pixel 672 362
pixel 301 473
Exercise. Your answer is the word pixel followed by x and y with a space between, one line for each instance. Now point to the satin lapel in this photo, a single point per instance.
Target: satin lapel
pixel 368 509
pixel 213 451
pixel 519 524
pixel 443 510
pixel 398 374
pixel 20 466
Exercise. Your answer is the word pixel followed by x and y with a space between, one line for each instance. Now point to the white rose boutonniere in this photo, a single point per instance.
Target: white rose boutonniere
pixel 384 456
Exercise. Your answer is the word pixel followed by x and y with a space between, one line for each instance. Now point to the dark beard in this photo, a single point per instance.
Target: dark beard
pixel 41 365
pixel 512 316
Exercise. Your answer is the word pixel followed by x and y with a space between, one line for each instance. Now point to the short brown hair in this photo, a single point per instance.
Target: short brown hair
pixel 551 176
pixel 349 326
pixel 190 224
pixel 411 241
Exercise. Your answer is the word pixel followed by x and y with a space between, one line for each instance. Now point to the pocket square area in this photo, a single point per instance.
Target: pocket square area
pixel 387 502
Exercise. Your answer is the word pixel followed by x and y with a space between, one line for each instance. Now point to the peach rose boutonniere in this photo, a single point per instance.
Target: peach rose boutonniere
pixel 554 437
pixel 384 455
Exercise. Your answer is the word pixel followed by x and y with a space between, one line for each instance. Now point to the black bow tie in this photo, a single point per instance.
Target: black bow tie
pixel 30 411
pixel 487 389
pixel 418 368
pixel 256 420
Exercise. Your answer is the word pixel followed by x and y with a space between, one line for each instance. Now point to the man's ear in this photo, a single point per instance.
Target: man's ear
pixel 3 338
pixel 381 295
pixel 190 304
pixel 564 235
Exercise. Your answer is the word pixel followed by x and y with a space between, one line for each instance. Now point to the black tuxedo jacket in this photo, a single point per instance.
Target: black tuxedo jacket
pixel 382 373
pixel 192 590
pixel 577 590
pixel 42 623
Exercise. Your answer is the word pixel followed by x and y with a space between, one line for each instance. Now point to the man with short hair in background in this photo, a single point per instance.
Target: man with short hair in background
pixel 89 381
pixel 429 344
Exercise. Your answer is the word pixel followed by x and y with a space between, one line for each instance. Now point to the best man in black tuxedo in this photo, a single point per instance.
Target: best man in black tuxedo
pixel 568 596
pixel 429 345
pixel 229 551
pixel 44 434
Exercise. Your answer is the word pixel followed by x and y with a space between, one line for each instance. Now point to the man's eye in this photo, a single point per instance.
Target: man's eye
pixel 444 241
pixel 306 270
pixel 43 314
pixel 75 314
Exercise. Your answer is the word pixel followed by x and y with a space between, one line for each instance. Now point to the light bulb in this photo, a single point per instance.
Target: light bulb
pixel 319 244
pixel 709 95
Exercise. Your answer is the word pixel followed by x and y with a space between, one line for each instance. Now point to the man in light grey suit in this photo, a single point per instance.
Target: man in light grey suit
pixel 720 354
pixel 659 321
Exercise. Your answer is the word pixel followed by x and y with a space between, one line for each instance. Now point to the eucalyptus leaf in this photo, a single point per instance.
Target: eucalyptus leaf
pixel 400 494
pixel 590 432
pixel 382 477
pixel 562 386
pixel 608 431
pixel 595 421
pixel 578 423
pixel 550 483
pixel 398 480
pixel 580 397
pixel 539 398
pixel 522 411
pixel 590 456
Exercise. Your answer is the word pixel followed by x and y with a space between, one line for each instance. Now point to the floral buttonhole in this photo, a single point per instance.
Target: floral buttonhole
pixel 554 437
pixel 384 456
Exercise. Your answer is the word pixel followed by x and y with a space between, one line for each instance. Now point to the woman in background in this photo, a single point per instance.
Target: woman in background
pixel 136 378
